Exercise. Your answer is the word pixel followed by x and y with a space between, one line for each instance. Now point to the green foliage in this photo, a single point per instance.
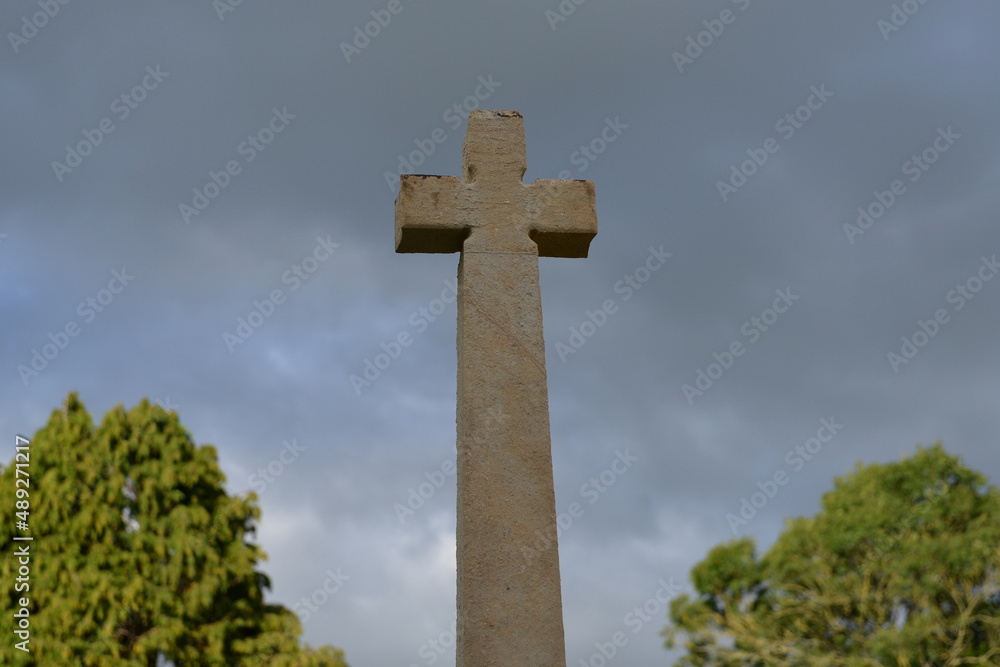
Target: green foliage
pixel 900 568
pixel 139 551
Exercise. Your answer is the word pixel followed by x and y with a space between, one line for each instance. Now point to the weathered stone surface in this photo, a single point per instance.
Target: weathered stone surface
pixel 435 214
pixel 509 598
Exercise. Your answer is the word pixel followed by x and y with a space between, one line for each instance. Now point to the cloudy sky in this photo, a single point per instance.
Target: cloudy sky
pixel 823 176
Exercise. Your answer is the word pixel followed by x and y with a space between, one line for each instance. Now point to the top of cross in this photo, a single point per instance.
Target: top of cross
pixel 493 151
pixel 489 209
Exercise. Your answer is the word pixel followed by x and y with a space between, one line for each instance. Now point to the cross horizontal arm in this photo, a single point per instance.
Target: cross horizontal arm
pixel 562 217
pixel 428 216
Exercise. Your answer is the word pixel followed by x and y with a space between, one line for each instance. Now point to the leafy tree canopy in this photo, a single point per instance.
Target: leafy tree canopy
pixel 139 555
pixel 901 568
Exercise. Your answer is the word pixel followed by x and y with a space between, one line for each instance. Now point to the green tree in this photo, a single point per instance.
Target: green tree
pixel 139 555
pixel 901 568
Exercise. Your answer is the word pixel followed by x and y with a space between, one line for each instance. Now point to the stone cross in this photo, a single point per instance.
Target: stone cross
pixel 509 604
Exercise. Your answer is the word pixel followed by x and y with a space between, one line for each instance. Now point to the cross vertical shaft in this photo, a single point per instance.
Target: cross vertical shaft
pixel 509 597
